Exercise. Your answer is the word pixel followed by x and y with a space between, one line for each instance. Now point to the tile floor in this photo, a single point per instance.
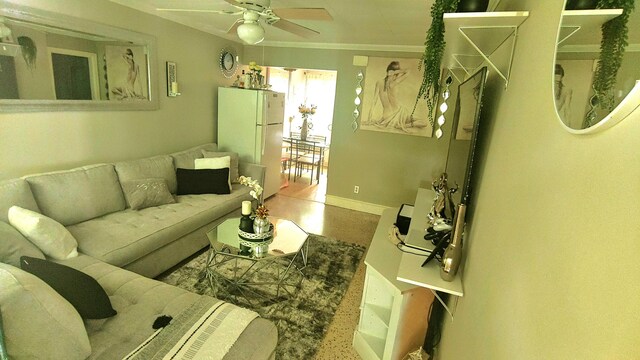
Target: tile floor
pixel 298 203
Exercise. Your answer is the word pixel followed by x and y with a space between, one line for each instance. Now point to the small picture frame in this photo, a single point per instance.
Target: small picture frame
pixel 172 79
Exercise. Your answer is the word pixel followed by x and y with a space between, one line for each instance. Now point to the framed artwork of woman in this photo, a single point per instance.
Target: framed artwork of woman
pixel 390 91
pixel 126 75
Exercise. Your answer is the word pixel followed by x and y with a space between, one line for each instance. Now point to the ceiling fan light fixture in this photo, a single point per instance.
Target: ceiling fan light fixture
pixel 251 32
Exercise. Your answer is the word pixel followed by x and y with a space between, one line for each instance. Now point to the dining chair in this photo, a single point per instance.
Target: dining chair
pixel 305 155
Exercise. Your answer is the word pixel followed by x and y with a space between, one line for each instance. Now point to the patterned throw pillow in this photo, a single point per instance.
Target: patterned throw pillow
pixel 146 193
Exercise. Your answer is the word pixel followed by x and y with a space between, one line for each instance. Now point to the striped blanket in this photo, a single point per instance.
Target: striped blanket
pixel 205 330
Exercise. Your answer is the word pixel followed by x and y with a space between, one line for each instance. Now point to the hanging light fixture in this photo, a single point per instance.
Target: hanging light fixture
pixel 250 30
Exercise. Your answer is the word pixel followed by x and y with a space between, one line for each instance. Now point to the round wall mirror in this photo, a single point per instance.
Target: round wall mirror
pixel 594 86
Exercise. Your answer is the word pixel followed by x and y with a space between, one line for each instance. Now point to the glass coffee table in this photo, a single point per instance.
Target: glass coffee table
pixel 256 273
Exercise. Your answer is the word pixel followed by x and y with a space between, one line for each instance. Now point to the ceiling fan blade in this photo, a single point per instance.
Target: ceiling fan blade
pixel 234 28
pixel 294 28
pixel 303 14
pixel 225 12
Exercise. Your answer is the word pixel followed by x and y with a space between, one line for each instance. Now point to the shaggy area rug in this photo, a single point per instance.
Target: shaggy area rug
pixel 302 317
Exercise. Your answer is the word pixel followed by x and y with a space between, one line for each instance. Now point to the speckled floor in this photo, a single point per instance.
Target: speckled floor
pixel 343 224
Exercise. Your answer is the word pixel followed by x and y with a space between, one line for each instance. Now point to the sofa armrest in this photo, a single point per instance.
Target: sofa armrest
pixel 255 171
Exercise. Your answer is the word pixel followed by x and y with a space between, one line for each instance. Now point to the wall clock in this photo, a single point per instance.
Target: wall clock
pixel 228 62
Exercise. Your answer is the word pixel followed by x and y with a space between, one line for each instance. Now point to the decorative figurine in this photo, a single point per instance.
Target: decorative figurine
pixel 442 210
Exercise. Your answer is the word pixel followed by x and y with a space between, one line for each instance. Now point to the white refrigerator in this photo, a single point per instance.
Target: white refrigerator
pixel 250 123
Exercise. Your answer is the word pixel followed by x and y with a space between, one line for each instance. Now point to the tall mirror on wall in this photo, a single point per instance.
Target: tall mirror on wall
pixel 57 62
pixel 596 77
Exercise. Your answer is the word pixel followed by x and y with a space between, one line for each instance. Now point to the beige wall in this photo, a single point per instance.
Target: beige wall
pixel 35 142
pixel 552 269
pixel 389 168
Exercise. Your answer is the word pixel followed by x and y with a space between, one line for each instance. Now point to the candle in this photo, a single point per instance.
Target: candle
pixel 174 87
pixel 246 207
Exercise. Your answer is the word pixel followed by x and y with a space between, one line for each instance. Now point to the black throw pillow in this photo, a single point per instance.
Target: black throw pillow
pixel 79 289
pixel 203 181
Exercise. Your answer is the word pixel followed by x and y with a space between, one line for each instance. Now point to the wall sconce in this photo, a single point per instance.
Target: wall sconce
pixel 356 111
pixel 443 107
pixel 172 80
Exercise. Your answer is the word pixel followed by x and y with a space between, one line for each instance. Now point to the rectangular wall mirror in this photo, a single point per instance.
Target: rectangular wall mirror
pixel 52 62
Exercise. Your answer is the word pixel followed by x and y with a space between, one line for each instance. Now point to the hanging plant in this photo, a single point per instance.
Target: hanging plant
pixel 612 47
pixel 432 57
pixel 29 51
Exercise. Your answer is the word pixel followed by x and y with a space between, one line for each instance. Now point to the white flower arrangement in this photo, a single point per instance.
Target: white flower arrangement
pixel 256 189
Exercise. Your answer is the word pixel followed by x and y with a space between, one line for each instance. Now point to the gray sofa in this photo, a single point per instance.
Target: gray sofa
pixel 123 248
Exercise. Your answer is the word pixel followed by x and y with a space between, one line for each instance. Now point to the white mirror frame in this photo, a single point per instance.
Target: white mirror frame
pixel 627 106
pixel 81 25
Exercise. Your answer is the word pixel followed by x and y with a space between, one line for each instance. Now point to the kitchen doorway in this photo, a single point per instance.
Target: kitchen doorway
pixel 305 163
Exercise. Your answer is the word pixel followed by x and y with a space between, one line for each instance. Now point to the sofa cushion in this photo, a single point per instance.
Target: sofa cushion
pixel 13 245
pixel 73 196
pixel 185 159
pixel 203 181
pixel 79 289
pixel 235 160
pixel 145 193
pixel 37 320
pixel 139 301
pixel 153 167
pixel 16 192
pixel 215 163
pixel 53 239
pixel 123 237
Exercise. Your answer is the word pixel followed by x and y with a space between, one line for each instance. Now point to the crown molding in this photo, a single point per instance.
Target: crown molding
pixel 337 46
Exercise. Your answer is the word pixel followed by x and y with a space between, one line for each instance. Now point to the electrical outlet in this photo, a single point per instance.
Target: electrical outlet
pixel 356 189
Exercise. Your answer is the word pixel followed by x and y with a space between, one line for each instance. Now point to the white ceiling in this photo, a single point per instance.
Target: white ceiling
pixel 357 24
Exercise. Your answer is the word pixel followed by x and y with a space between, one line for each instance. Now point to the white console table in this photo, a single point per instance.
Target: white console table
pixel 393 314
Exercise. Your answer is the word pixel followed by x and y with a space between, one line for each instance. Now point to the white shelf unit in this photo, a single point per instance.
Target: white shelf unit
pixel 584 29
pixel 410 269
pixel 475 38
pixel 393 314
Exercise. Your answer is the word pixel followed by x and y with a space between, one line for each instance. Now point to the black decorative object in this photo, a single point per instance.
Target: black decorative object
pixel 434 327
pixel 472 6
pixel 79 289
pixel 403 219
pixel 246 225
pixel 203 181
pixel 162 321
pixel 581 4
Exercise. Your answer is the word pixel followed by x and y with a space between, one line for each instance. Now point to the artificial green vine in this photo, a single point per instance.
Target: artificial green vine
pixel 432 57
pixel 612 47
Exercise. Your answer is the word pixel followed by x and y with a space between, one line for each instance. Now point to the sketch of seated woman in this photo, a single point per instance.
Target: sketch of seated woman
pixel 394 114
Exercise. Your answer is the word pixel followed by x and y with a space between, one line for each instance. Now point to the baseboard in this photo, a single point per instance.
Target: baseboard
pixel 355 205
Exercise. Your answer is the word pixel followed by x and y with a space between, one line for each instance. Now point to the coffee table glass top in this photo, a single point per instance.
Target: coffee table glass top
pixel 288 238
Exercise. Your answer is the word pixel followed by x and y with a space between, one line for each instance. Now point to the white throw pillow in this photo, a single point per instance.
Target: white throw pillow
pixel 215 163
pixel 53 239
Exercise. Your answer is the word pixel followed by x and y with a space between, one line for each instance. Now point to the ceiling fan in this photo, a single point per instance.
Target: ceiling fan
pixel 248 27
